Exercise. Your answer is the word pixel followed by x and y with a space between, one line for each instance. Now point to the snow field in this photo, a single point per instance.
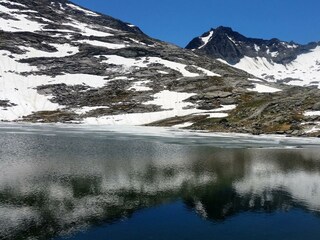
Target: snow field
pixel 129 63
pixel 304 71
pixel 20 23
pixel 173 105
pixel 21 90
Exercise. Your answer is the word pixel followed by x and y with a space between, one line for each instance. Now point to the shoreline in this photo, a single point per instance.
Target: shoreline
pixel 170 134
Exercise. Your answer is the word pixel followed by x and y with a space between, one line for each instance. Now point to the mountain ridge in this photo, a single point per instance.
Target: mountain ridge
pixel 273 60
pixel 222 36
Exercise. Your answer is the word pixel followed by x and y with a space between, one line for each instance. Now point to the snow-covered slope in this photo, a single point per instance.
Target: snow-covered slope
pixel 303 71
pixel 67 63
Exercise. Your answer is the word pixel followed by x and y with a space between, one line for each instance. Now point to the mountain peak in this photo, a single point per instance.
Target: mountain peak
pixel 226 44
pixel 219 41
pixel 223 29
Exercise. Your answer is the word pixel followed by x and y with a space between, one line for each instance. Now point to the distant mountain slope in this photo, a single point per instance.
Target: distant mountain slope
pixel 272 60
pixel 64 63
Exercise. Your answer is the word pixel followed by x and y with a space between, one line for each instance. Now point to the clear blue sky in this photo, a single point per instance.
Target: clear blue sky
pixel 178 21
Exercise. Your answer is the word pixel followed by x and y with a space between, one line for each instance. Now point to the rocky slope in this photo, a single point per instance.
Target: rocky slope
pixel 64 63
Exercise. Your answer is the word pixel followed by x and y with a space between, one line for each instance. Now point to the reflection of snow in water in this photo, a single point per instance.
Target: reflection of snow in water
pixel 264 176
pixel 12 218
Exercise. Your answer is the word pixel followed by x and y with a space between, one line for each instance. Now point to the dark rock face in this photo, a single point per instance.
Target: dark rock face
pixel 6 104
pixel 231 46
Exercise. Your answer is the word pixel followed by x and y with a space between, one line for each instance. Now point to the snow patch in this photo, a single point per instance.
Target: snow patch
pixel 87 12
pixel 162 72
pixel 86 29
pixel 171 100
pixel 140 86
pixel 231 39
pixel 174 65
pixel 207 72
pixel 256 47
pixel 311 113
pixel 138 42
pixel 63 50
pixel 102 44
pixel 206 39
pixel 263 89
pixel 61 7
pixel 217 113
pixel 13 3
pixel 274 54
pixel 21 23
pixel 223 61
pixel 291 45
pixel 183 125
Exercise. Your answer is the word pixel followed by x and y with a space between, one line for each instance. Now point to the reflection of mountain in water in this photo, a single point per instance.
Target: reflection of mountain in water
pixel 56 185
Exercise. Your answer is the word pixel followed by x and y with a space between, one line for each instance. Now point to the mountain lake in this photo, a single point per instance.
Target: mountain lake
pixel 91 182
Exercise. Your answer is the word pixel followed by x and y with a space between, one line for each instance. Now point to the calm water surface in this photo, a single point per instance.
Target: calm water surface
pixel 74 183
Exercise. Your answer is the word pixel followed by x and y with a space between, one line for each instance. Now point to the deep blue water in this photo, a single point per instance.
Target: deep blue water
pixel 175 221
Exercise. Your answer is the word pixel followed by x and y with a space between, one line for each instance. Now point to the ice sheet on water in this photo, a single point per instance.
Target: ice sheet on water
pixel 166 135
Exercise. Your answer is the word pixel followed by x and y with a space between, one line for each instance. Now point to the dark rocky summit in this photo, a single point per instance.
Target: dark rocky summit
pixel 231 46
